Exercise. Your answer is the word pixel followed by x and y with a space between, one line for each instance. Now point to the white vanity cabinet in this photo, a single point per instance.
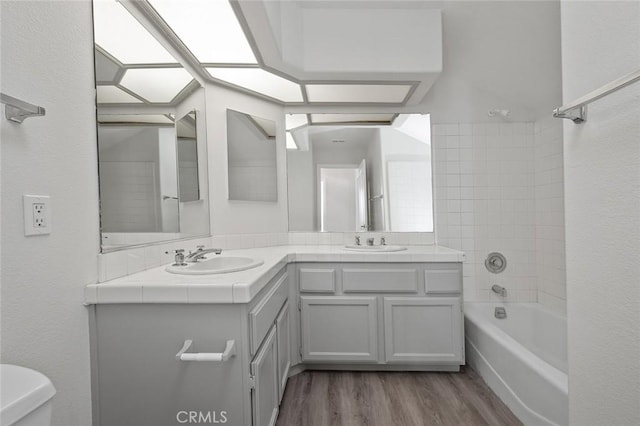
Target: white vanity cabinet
pixel 391 315
pixel 339 328
pixel 264 393
pixel 283 337
pixel 422 329
pixel 138 380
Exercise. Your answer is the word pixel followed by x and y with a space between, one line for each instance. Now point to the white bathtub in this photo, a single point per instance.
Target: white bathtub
pixel 523 358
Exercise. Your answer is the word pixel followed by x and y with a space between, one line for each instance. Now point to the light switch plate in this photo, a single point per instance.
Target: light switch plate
pixel 37 214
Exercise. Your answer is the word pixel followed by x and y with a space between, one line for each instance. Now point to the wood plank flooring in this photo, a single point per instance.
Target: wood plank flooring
pixel 349 398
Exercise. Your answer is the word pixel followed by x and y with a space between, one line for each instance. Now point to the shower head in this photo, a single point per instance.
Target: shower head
pixel 499 112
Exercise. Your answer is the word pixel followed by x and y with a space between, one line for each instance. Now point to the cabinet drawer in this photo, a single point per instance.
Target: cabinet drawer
pixel 263 315
pixel 387 280
pixel 443 278
pixel 319 280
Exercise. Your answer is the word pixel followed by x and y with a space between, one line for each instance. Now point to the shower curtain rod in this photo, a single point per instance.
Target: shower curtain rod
pixel 567 111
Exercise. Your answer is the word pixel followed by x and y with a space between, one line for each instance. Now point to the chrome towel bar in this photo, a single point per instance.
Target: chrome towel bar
pixel 229 352
pixel 17 110
pixel 577 110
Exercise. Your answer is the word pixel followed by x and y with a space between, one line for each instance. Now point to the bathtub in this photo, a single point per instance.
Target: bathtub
pixel 523 358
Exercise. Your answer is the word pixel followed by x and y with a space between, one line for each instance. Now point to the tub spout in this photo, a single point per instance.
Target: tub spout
pixel 498 289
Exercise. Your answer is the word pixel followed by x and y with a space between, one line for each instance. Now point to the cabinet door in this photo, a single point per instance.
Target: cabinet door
pixel 339 329
pixel 423 329
pixel 284 348
pixel 264 369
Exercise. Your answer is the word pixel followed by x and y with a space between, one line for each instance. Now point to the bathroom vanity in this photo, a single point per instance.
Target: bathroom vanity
pixel 306 307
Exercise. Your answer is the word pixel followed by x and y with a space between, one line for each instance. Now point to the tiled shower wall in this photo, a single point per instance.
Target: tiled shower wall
pixel 550 247
pixel 485 202
pixel 498 187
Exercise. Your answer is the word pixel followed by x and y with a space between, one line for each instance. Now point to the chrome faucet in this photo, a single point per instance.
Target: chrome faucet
pixel 200 253
pixel 370 241
pixel 179 257
pixel 498 289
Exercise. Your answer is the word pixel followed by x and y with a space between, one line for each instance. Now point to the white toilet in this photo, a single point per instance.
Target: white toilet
pixel 25 396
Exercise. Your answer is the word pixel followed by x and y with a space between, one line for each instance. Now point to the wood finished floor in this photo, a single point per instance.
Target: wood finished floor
pixel 349 398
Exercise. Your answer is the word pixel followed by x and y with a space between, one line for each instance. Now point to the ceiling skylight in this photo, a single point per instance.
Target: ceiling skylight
pixel 359 93
pixel 157 85
pixel 260 81
pixel 124 38
pixel 209 29
pixel 351 118
pixel 114 95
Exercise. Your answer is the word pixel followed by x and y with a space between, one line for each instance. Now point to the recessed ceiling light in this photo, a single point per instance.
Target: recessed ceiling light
pixel 260 81
pixel 209 29
pixel 157 85
pixel 114 95
pixel 123 37
pixel 358 93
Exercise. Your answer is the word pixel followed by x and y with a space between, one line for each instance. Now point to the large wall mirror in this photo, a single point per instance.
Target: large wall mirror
pixel 150 179
pixel 251 154
pixel 358 172
pixel 151 136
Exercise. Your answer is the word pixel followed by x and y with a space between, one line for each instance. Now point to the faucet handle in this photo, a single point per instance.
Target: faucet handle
pixel 357 240
pixel 179 257
pixel 176 251
pixel 200 247
pixel 383 241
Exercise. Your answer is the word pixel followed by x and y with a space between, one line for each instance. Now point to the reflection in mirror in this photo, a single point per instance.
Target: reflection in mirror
pixel 251 151
pixel 138 178
pixel 350 175
pixel 187 148
pixel 140 191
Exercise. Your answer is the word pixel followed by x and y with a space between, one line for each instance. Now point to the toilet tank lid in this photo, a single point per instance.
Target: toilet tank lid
pixel 22 390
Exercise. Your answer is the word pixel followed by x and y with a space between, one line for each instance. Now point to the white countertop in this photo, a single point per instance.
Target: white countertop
pixel 158 286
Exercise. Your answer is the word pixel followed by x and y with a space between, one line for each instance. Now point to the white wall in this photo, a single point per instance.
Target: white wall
pixel 242 217
pixel 549 189
pixel 47 56
pixel 601 42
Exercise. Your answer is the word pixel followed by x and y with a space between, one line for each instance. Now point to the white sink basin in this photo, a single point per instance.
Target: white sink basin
pixel 375 249
pixel 216 265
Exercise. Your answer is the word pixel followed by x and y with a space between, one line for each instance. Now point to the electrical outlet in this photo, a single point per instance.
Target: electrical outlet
pixel 37 214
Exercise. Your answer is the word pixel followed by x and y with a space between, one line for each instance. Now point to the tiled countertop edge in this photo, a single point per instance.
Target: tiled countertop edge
pixel 156 286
